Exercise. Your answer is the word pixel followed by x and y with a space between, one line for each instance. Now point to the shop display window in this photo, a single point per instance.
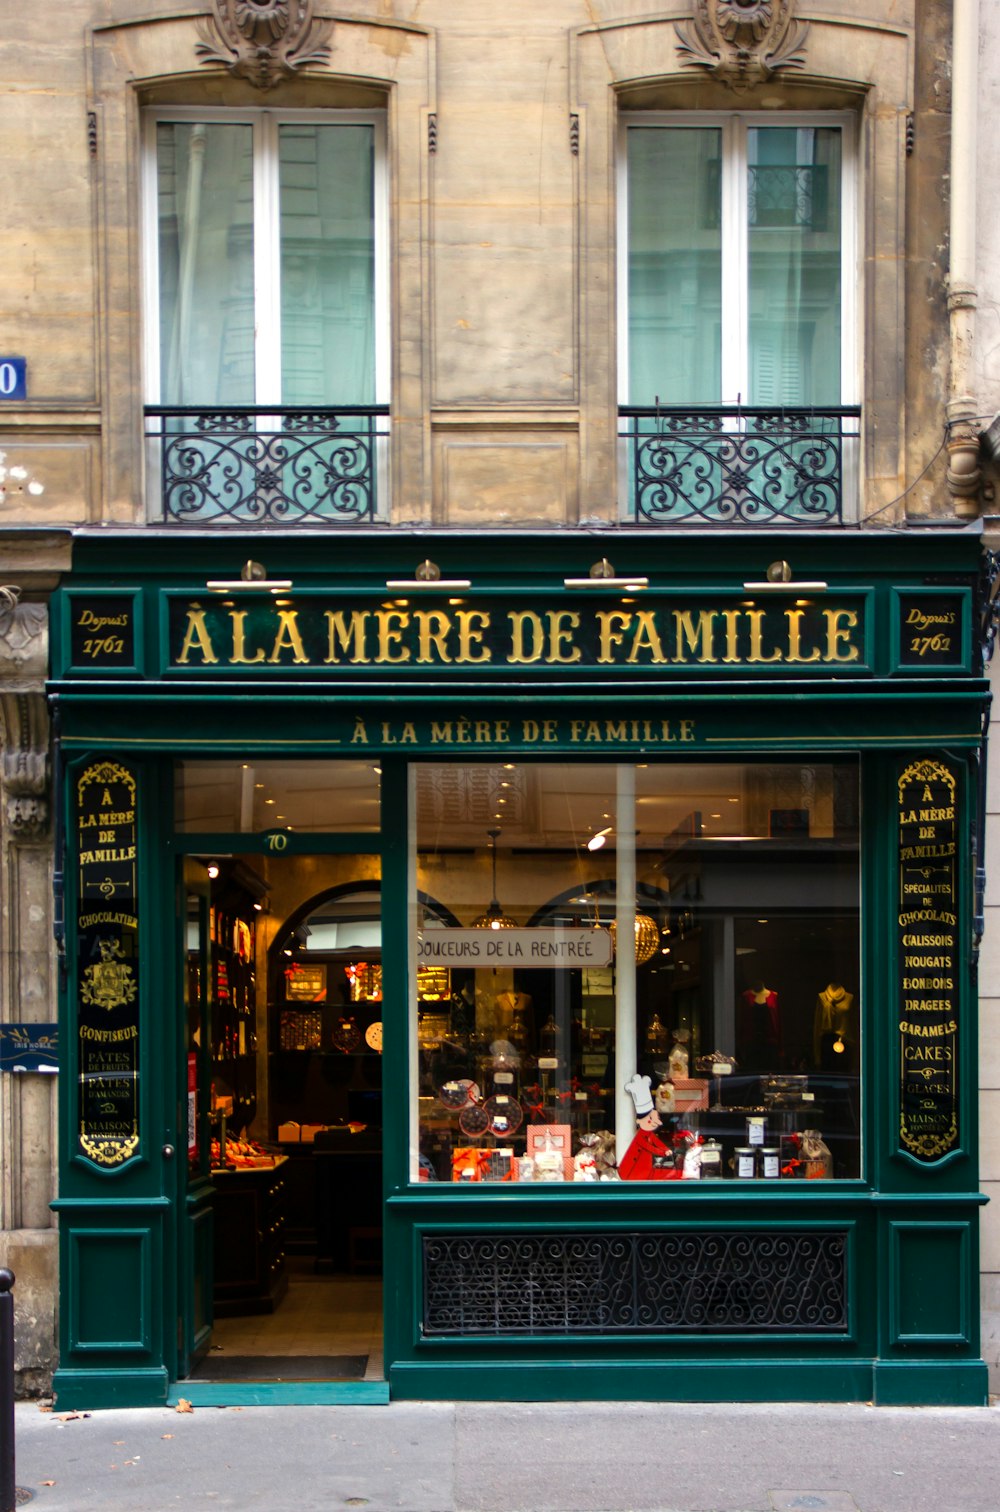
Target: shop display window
pixel 654 973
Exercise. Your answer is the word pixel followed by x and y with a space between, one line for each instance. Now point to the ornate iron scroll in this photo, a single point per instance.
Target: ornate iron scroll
pixel 928 960
pixel 633 1283
pixel 275 466
pixel 725 466
pixel 263 41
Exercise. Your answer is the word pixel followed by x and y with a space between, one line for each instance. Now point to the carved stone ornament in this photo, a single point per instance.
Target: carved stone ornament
pixel 742 42
pixel 24 639
pixel 24 764
pixel 263 41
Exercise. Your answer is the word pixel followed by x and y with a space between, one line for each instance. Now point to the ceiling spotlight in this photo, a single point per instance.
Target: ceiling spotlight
pixel 596 841
pixel 213 869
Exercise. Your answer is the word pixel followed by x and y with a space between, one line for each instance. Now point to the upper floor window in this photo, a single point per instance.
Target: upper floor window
pixel 267 330
pixel 266 284
pixel 737 318
pixel 736 278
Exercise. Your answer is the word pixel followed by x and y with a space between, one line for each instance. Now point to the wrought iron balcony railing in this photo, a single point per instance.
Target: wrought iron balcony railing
pixel 727 465
pixel 268 465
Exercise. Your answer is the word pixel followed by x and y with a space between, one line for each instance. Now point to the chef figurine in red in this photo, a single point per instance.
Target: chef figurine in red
pixel 637 1164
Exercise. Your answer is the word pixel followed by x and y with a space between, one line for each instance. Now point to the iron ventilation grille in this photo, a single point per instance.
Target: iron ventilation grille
pixel 703 1282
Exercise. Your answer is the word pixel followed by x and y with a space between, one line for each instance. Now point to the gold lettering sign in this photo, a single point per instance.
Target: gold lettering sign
pixel 932 628
pixel 660 632
pixel 107 975
pixel 629 734
pixel 928 960
pixel 102 631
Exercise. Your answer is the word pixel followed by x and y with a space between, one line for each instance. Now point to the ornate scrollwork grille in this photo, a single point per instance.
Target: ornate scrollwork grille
pixel 708 1281
pixel 268 465
pixel 732 466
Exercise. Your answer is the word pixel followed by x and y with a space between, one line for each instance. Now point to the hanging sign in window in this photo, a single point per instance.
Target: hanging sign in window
pixel 928 960
pixel 556 948
pixel 107 964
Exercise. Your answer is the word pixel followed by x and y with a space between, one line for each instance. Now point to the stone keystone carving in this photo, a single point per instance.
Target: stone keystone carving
pixel 742 42
pixel 263 40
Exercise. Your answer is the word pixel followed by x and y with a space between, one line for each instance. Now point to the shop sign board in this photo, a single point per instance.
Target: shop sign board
pixel 107 1009
pixel 29 1047
pixel 102 631
pixel 932 629
pixel 928 960
pixel 546 947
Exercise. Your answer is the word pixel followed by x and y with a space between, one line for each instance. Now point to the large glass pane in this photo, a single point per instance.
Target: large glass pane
pixel 793 210
pixel 327 264
pixel 206 257
pixel 675 265
pixel 636 973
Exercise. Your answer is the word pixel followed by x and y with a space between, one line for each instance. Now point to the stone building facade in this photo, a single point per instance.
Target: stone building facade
pixel 502 336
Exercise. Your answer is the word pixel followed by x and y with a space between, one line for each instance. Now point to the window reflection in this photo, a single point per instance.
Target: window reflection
pixel 708 942
pixel 247 797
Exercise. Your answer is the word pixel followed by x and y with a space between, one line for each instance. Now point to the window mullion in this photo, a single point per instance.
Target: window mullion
pixel 151 264
pixel 849 270
pixel 734 261
pixel 267 262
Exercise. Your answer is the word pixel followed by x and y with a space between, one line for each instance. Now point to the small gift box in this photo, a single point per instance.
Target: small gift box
pixel 546 1144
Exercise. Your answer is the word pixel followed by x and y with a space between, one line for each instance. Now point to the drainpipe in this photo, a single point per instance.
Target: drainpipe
pixel 963 474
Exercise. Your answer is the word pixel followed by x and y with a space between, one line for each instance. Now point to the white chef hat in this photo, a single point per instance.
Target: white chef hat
pixel 638 1090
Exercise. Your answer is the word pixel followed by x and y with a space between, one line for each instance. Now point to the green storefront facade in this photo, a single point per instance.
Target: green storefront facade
pixel 840 701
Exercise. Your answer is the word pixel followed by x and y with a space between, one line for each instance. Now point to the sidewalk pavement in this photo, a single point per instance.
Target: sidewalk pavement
pixel 514 1457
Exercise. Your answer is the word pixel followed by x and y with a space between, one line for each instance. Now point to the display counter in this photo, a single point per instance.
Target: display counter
pixel 250 1239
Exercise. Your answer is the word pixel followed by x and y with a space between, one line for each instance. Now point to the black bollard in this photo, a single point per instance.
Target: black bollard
pixel 8 1489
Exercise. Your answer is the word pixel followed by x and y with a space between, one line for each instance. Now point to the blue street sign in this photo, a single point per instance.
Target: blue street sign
pixel 13 377
pixel 29 1047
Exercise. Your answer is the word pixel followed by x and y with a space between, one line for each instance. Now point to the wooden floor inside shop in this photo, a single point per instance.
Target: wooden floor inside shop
pixel 327 1327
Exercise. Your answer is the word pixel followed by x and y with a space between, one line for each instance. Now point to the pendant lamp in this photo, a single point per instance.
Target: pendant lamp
pixel 647 938
pixel 494 917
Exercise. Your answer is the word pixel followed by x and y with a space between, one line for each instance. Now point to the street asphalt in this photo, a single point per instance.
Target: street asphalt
pixel 513 1457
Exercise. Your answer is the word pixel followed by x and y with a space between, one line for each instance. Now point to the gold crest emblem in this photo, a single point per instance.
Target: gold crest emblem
pixel 110 983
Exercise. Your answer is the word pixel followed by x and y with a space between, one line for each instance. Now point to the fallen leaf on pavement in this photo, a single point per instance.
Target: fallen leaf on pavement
pixel 46 1483
pixel 166 1435
pixel 183 1405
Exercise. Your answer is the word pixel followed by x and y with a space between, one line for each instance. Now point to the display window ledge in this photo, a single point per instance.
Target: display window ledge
pixel 667 1193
